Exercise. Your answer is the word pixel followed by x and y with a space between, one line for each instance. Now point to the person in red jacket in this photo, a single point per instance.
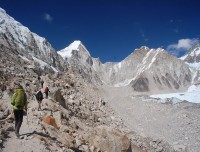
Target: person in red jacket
pixel 46 91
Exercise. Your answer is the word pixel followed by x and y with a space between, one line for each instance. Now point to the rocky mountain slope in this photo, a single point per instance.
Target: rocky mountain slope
pixel 192 58
pixel 193 55
pixel 144 70
pixel 24 45
pixel 76 117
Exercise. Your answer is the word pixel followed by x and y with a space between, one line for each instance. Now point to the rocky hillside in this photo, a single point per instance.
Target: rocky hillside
pixel 20 43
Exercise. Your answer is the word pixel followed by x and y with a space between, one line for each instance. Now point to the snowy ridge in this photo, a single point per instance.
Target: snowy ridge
pixel 193 53
pixel 26 42
pixel 196 52
pixel 67 52
pixel 20 33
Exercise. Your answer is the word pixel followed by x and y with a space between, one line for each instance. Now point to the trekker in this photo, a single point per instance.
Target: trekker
pixel 46 91
pixel 19 102
pixel 39 98
pixel 42 82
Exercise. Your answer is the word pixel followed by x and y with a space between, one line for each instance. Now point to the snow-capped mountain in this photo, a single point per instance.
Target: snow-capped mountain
pixel 148 69
pixel 144 70
pixel 26 44
pixel 161 71
pixel 78 57
pixel 192 57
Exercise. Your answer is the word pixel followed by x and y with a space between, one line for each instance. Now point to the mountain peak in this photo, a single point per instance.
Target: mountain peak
pixel 2 10
pixel 67 52
pixel 193 55
pixel 76 45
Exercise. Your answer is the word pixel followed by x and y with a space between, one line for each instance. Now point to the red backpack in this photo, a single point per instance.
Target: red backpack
pixel 46 89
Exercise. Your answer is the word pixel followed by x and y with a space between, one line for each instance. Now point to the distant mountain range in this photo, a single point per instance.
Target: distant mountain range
pixel 143 70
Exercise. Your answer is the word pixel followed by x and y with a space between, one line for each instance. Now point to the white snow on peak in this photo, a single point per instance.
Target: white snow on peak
pixel 183 57
pixel 67 52
pixel 20 33
pixel 195 52
pixel 2 10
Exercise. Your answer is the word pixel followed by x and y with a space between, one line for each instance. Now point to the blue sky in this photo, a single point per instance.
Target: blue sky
pixel 111 29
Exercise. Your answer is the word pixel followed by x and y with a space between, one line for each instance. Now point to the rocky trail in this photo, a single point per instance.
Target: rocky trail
pixel 73 119
pixel 32 138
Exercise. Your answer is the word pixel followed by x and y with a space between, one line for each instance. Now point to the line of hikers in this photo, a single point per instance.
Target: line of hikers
pixel 38 92
pixel 20 103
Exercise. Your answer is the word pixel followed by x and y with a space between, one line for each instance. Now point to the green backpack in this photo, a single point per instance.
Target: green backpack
pixel 20 99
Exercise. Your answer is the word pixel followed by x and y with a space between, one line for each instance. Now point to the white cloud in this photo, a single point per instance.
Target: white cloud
pixel 48 17
pixel 143 35
pixel 182 46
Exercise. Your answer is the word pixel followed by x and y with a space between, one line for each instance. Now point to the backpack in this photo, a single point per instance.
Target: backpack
pixel 20 99
pixel 39 96
pixel 46 89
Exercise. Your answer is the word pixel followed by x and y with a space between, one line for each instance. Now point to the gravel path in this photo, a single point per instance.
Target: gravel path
pixel 30 137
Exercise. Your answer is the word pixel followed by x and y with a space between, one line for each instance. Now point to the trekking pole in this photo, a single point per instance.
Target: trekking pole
pixel 27 118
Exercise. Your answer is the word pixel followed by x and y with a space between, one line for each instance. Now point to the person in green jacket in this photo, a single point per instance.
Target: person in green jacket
pixel 19 102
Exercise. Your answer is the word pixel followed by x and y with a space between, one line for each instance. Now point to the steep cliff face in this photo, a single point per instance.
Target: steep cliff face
pixel 161 71
pixel 25 45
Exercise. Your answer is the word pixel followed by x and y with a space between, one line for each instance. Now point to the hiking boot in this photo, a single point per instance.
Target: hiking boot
pixel 17 134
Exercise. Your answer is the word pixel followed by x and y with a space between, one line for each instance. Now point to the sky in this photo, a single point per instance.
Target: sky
pixel 111 29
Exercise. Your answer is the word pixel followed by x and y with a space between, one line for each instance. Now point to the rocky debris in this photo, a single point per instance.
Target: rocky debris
pixel 108 139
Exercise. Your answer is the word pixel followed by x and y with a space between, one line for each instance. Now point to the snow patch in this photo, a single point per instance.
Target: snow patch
pixel 42 63
pixel 54 69
pixel 24 58
pixel 191 95
pixel 194 65
pixel 123 84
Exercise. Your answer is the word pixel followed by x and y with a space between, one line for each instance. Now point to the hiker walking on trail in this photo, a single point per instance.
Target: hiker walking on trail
pixel 42 82
pixel 19 102
pixel 46 91
pixel 39 98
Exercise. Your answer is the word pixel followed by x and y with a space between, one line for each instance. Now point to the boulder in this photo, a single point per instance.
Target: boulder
pixel 57 96
pixel 109 139
pixel 50 121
